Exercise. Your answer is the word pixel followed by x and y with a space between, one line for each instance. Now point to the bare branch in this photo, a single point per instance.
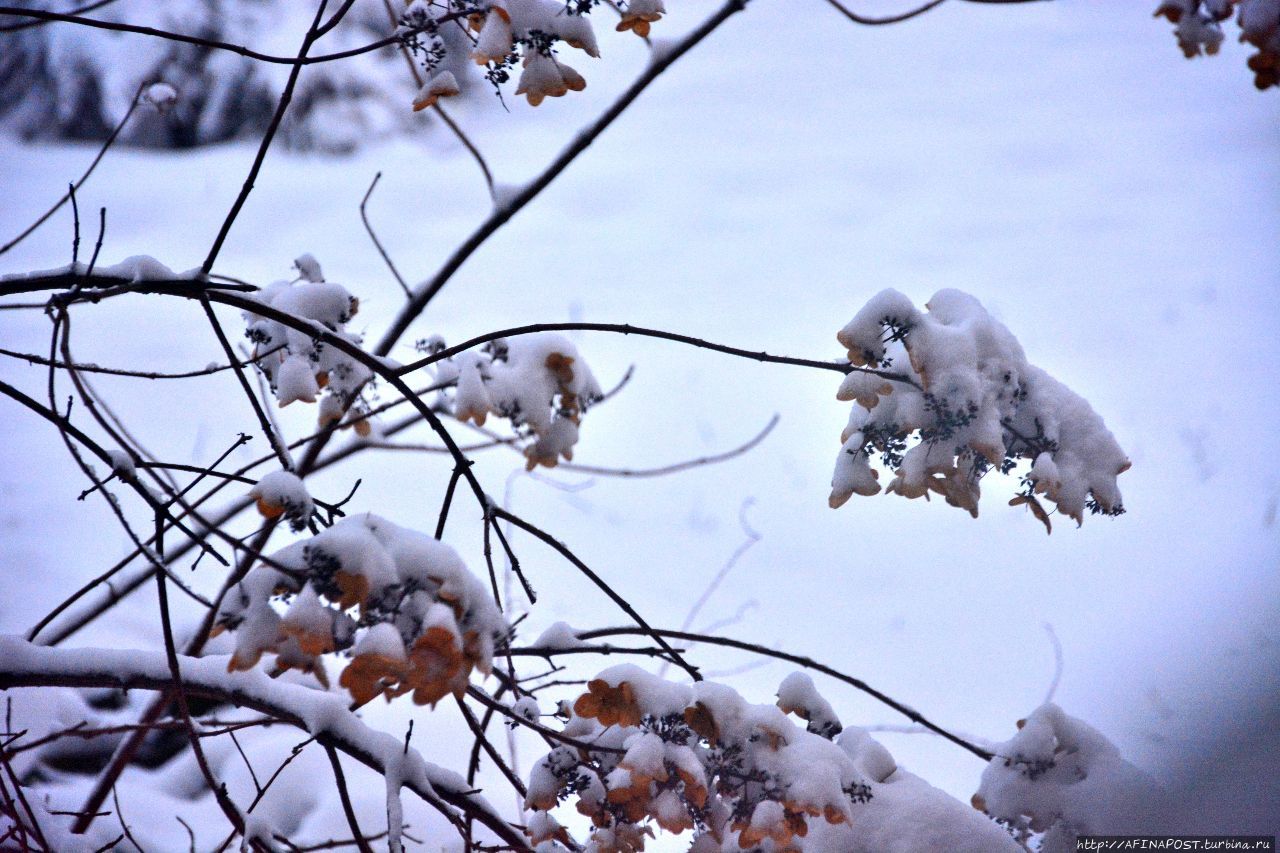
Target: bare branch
pixel 357 836
pixel 80 10
pixel 628 329
pixel 364 217
pixel 133 105
pixel 809 663
pixel 891 19
pixel 426 291
pixel 281 107
pixel 44 16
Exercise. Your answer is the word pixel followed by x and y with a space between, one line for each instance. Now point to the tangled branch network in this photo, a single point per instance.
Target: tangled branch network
pixel 357 610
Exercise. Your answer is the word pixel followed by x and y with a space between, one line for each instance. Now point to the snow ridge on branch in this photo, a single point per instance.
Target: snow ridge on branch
pixel 326 716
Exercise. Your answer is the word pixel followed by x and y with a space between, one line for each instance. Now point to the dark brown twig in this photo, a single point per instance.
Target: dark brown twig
pixel 341 780
pixel 213 44
pixel 600 583
pixel 281 108
pixel 83 367
pixel 425 292
pixel 79 10
pixel 890 19
pixel 364 217
pixel 133 105
pixel 808 663
pixel 627 329
pixel 273 438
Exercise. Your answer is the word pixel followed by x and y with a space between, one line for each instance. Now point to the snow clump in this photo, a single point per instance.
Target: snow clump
pixel 538 382
pixel 404 604
pixel 955 380
pixel 298 366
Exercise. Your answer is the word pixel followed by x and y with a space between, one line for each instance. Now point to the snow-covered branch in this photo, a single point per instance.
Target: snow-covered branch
pixel 327 717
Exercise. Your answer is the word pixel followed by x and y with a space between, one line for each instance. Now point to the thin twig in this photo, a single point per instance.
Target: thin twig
pixel 627 329
pixel 83 367
pixel 361 844
pixel 219 791
pixel 80 10
pixel 268 429
pixel 478 733
pixel 124 827
pixel 674 468
pixel 439 110
pixel 891 19
pixel 74 432
pixel 426 291
pixel 214 44
pixel 133 105
pixel 281 108
pixel 752 537
pixel 364 217
pixel 600 583
pixel 809 663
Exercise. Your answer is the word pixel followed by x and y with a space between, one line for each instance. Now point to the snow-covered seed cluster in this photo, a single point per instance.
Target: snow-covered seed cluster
pixel 538 382
pixel 281 494
pixel 442 85
pixel 1061 777
pixel 404 605
pixel 696 757
pixel 515 33
pixel 1198 29
pixel 298 366
pixel 972 403
pixel 798 695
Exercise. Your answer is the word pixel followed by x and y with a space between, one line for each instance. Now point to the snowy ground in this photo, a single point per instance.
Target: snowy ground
pixel 1112 203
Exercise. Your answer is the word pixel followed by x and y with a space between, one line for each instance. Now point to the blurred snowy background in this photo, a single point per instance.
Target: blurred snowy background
pixel 1114 204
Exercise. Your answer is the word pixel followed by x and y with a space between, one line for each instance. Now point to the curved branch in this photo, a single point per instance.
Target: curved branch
pixel 869 21
pixel 594 470
pixel 439 110
pixel 842 367
pixel 623 604
pixel 58 17
pixel 891 19
pixel 32 358
pixel 79 10
pixel 364 217
pixel 808 663
pixel 676 467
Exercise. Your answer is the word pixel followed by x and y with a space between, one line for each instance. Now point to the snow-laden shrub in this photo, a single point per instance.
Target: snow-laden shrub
pixel 413 617
pixel 1198 29
pixel 944 395
pixel 652 753
pixel 538 382
pixel 1061 778
pixel 297 365
pixel 966 396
